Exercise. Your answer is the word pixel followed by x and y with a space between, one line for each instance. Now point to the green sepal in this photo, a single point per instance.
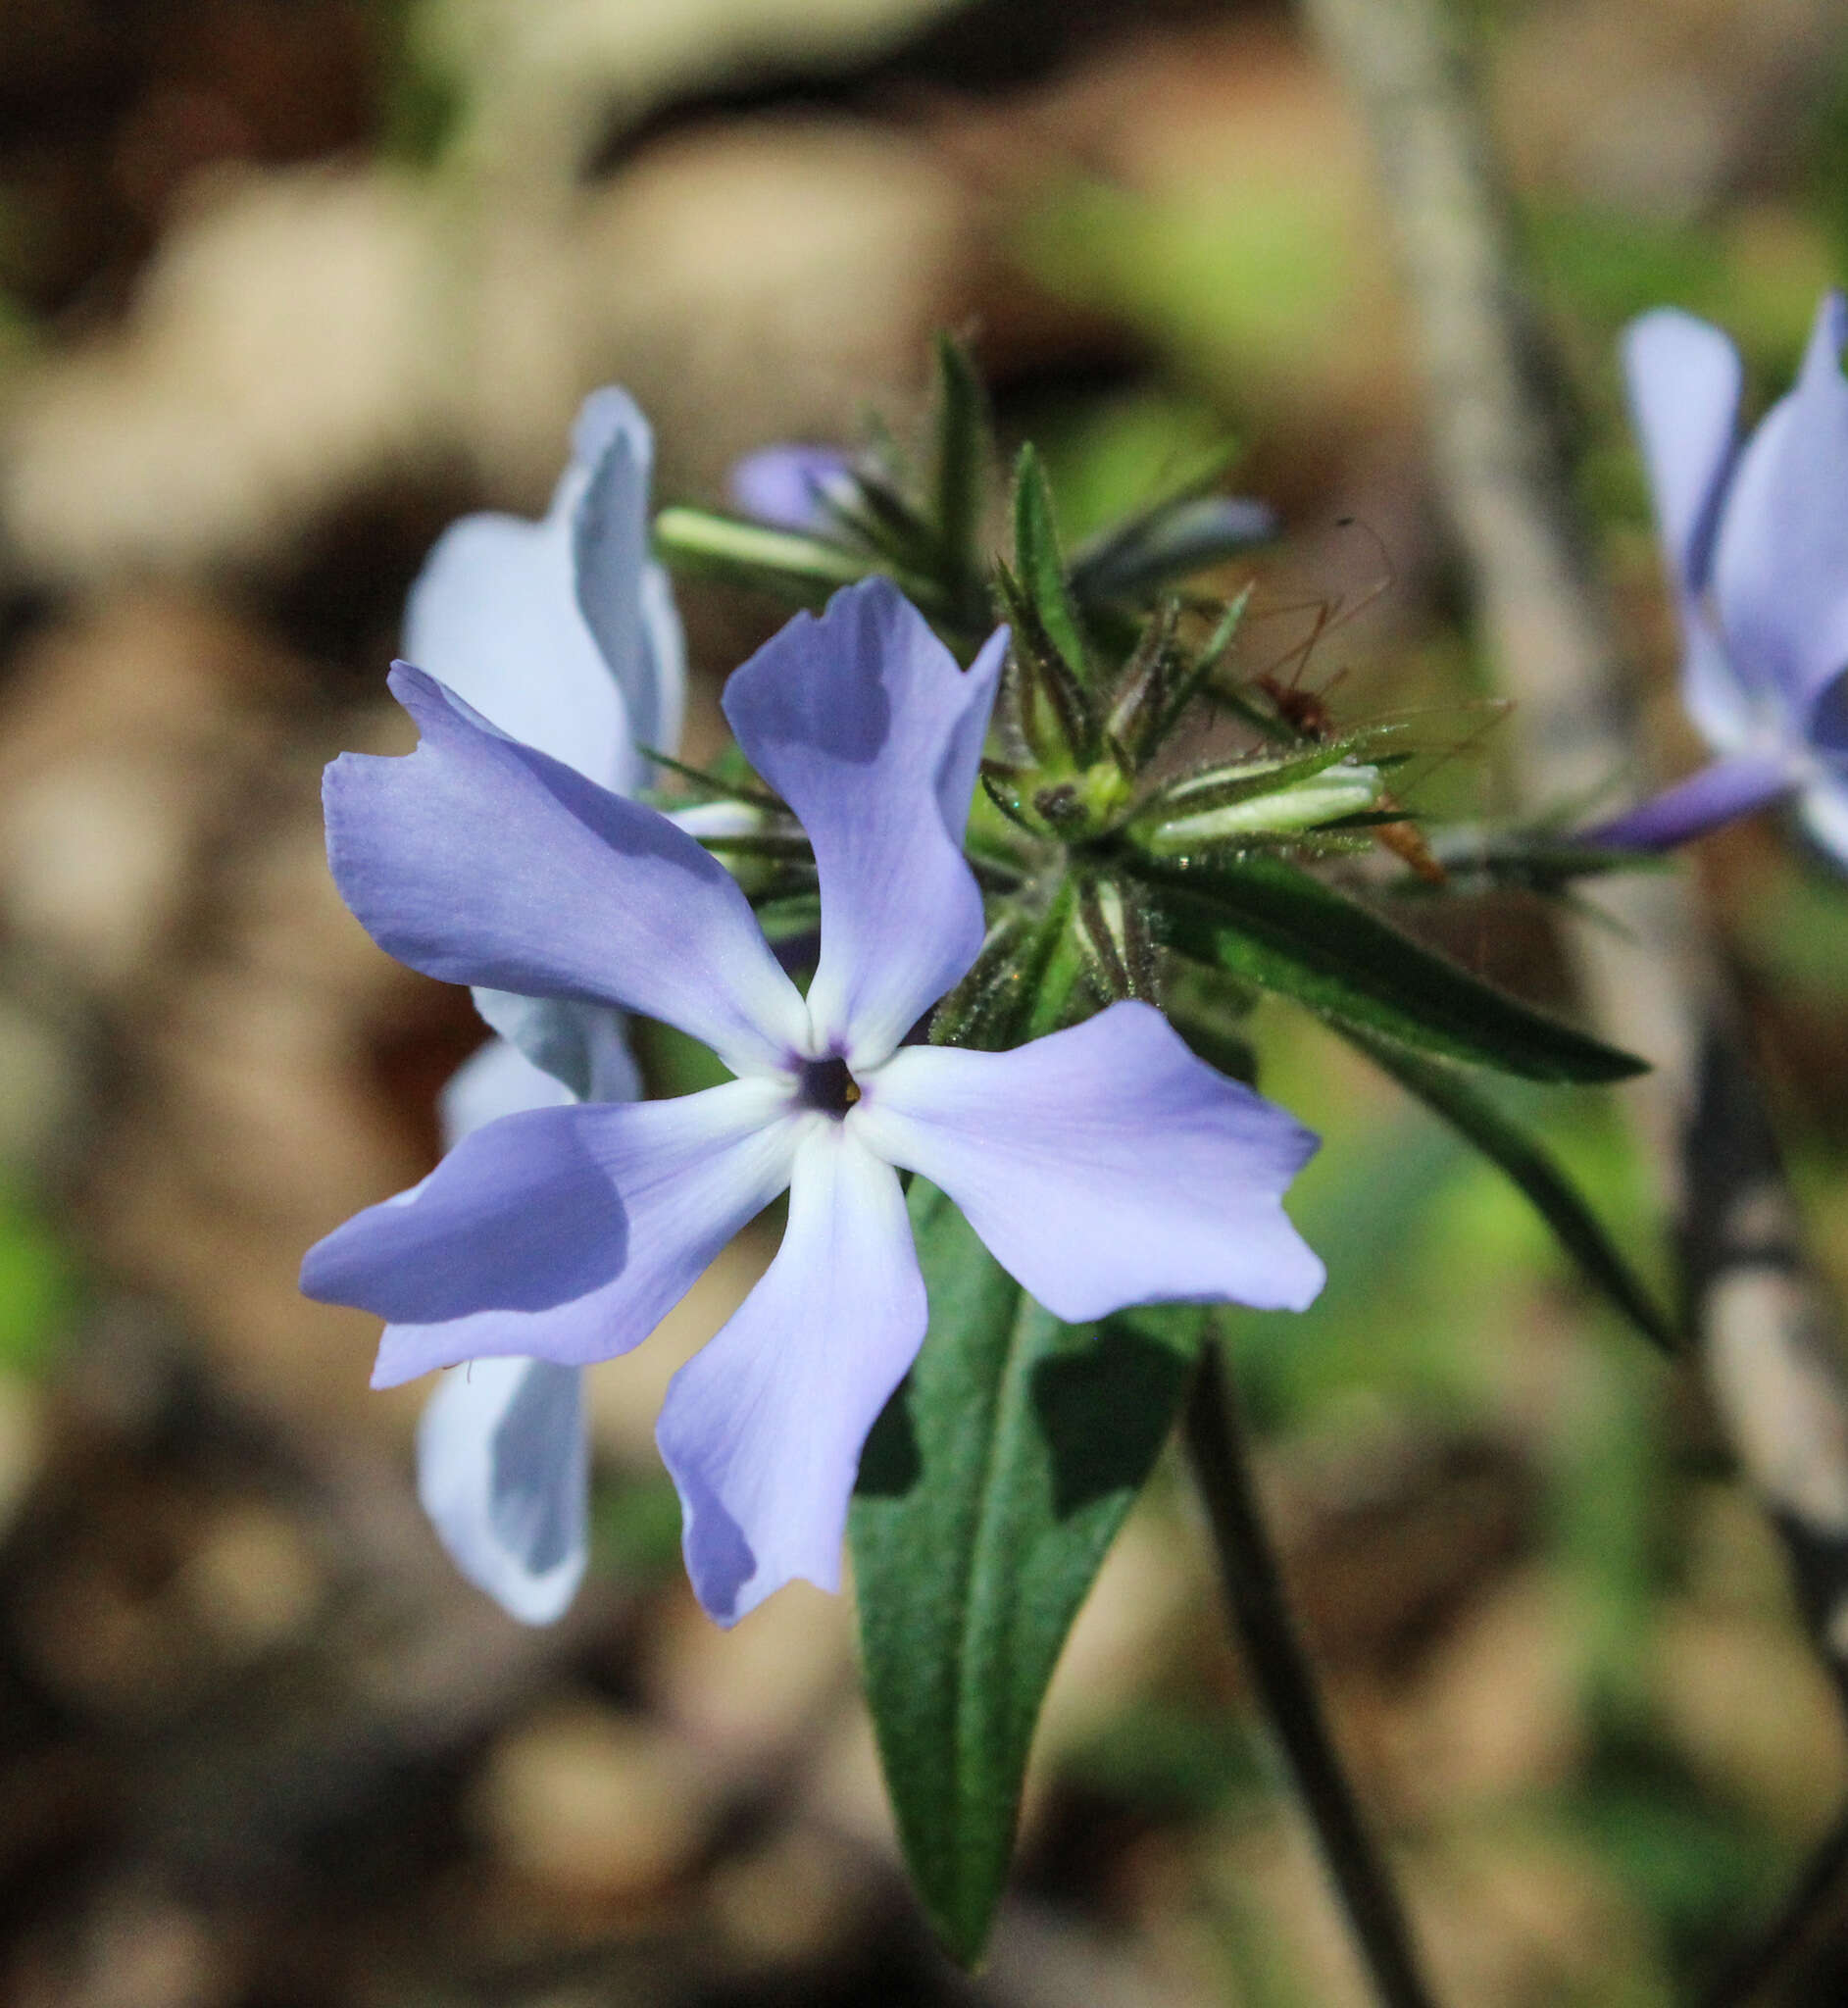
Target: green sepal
pixel 1213 651
pixel 1450 1093
pixel 1268 921
pixel 965 451
pixel 1052 706
pixel 1039 567
pixel 989 1492
pixel 1115 930
pixel 1137 718
pixel 1034 975
pixel 992 1003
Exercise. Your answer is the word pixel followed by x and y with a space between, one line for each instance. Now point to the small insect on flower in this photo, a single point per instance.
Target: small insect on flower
pixel 1104 1166
pixel 1755 538
pixel 1309 715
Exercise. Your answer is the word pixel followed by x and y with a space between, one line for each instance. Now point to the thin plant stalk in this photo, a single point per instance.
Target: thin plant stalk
pixel 1219 1450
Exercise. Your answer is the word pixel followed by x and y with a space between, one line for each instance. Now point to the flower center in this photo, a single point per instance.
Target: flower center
pixel 826 1085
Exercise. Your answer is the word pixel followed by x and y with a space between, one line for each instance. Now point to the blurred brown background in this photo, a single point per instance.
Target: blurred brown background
pixel 287 284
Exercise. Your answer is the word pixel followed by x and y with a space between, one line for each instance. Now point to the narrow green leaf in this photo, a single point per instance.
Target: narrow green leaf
pixel 989 1491
pixel 1270 922
pixel 1037 563
pixel 1506 1141
pixel 1539 861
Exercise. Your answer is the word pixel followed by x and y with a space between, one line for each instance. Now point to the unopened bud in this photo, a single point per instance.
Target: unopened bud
pixel 1347 788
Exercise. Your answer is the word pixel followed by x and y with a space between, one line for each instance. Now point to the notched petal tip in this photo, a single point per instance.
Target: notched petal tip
pixel 1106 1166
pixel 762 1429
pixel 864 725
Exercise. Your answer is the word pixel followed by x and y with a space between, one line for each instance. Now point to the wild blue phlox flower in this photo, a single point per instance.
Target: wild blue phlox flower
pixel 1104 1166
pixel 562 633
pixel 1756 543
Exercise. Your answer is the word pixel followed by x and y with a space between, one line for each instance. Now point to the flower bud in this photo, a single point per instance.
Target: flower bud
pixel 1346 789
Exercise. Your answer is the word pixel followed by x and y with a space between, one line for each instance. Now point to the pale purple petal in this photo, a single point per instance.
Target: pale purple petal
pixel 610 561
pixel 503 1471
pixel 1718 794
pixel 788 486
pixel 584 1047
pixel 664 660
pixel 498 1080
pixel 1733 714
pixel 762 1427
pixel 563 1233
pixel 862 722
pixel 1104 1166
pixel 502 1464
pixel 1822 807
pixel 1683 378
pixel 961 763
pixel 1780 562
pixel 481 861
pixel 494 613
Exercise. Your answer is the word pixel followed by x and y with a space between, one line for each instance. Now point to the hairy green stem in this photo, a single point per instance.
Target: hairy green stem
pixel 1287 1684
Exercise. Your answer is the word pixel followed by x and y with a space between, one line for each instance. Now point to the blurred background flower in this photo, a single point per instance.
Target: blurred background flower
pixel 284 290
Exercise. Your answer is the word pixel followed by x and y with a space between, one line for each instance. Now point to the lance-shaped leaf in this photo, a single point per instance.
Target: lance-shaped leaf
pixel 1270 922
pixel 989 1491
pixel 1544 861
pixel 1448 1091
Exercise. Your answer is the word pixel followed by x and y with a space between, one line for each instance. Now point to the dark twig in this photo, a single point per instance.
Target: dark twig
pixel 1287 1684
